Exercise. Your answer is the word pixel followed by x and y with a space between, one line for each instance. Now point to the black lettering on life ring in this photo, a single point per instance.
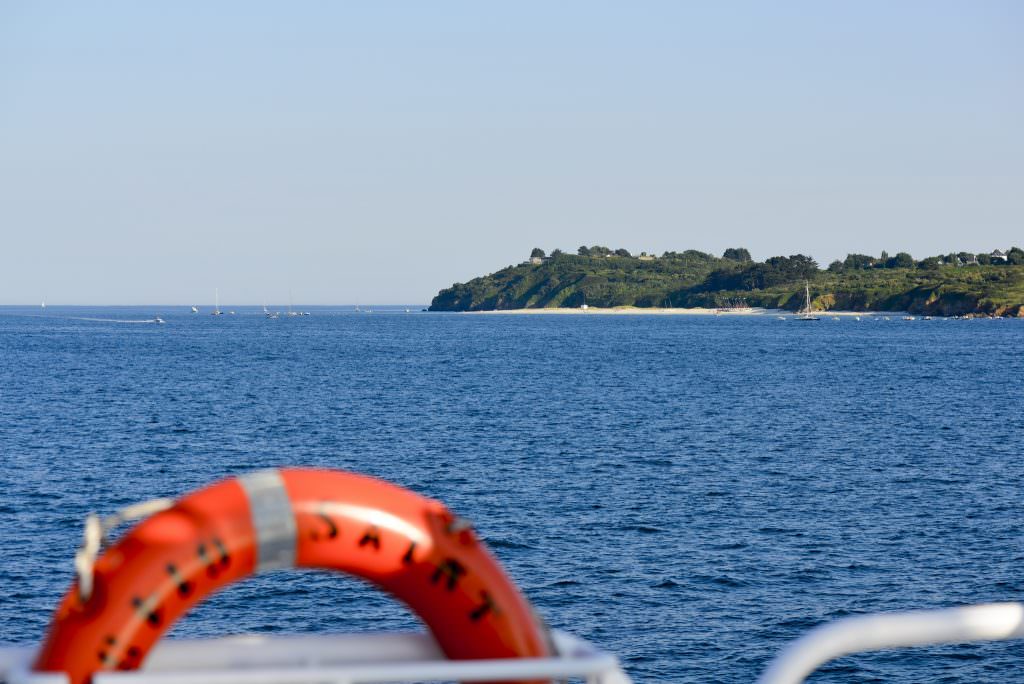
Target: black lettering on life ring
pixel 332 528
pixel 484 608
pixel 371 536
pixel 407 558
pixel 450 569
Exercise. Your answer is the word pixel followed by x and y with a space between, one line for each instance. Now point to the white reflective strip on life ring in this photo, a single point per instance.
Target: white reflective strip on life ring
pixel 272 519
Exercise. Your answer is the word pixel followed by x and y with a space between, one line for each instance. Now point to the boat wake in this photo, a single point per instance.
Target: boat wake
pixel 115 320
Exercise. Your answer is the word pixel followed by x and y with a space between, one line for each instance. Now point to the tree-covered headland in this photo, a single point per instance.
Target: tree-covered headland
pixel 989 283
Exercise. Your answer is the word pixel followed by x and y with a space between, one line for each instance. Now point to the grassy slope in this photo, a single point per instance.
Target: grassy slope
pixel 622 281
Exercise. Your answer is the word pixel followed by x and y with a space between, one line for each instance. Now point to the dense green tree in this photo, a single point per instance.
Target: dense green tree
pixel 583 250
pixel 737 254
pixel 537 253
pixel 836 267
pixel 984 258
pixel 901 260
pixel 622 252
pixel 1015 256
pixel 556 253
pixel 855 261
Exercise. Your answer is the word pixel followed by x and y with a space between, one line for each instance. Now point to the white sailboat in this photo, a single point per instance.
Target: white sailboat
pixel 806 314
pixel 195 309
pixel 216 307
pixel 290 312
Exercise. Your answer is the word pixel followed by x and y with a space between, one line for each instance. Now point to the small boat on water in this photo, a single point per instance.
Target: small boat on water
pixel 806 313
pixel 159 320
pixel 195 309
pixel 216 306
pixel 909 318
pixel 294 313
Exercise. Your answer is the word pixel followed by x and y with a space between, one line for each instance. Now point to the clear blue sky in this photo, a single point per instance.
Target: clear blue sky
pixel 376 152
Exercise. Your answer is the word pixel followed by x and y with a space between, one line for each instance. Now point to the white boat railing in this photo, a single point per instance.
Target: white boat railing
pixel 330 659
pixel 986 622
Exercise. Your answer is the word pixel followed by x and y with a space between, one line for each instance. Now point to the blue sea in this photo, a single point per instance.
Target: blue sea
pixel 688 492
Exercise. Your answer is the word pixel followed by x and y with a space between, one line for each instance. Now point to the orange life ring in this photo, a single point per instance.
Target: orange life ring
pixel 408 545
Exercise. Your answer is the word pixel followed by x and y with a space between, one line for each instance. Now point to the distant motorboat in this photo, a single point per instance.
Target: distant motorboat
pixel 159 320
pixel 856 318
pixel 909 318
pixel 195 309
pixel 806 314
pixel 781 318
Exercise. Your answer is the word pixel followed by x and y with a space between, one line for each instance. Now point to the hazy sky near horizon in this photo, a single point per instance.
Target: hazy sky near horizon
pixel 376 152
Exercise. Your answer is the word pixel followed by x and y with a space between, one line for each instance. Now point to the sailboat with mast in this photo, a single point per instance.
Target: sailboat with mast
pixel 216 306
pixel 806 313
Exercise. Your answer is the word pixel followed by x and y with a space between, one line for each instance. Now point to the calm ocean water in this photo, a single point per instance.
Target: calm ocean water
pixel 688 492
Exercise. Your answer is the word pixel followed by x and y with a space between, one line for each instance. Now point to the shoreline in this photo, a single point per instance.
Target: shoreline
pixel 642 311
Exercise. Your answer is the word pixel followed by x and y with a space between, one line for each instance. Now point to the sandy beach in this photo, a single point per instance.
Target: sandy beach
pixel 633 311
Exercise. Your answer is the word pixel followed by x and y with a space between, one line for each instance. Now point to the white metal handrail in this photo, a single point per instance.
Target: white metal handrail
pixel 340 659
pixel 985 622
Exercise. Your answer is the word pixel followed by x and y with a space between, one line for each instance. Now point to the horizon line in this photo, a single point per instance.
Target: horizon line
pixel 210 306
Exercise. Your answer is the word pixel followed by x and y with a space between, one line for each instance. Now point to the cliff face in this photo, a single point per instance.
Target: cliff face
pixel 695 279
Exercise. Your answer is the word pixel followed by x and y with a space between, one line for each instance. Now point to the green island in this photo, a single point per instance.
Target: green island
pixel 961 284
